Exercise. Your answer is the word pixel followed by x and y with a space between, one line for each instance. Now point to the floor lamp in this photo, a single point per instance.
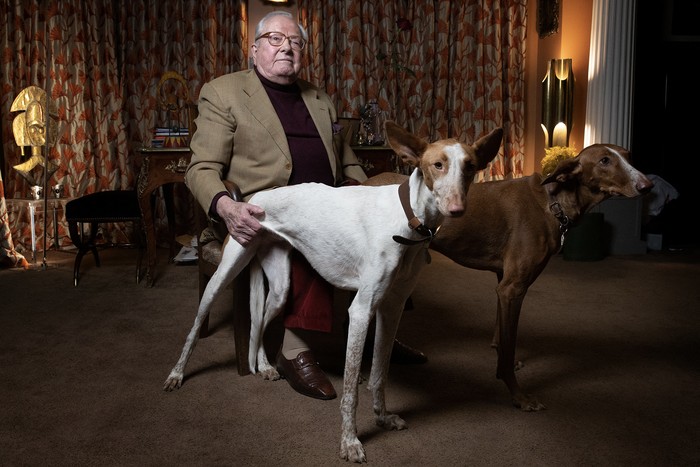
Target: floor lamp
pixel 557 102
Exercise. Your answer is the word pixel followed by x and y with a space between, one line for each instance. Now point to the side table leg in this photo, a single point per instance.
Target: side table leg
pixel 148 227
pixel 169 199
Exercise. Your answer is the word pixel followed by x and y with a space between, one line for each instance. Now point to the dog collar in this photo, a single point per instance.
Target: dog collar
pixel 563 219
pixel 413 222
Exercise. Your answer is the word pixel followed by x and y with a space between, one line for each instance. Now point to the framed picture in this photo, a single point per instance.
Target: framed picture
pixel 547 17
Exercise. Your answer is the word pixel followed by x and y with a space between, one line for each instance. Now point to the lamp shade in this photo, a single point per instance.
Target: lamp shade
pixel 557 102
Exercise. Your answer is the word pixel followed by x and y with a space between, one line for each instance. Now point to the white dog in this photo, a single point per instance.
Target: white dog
pixel 372 240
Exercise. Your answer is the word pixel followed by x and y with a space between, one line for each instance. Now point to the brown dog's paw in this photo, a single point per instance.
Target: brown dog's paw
pixel 528 403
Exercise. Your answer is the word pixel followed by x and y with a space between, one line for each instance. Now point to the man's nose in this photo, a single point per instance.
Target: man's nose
pixel 286 44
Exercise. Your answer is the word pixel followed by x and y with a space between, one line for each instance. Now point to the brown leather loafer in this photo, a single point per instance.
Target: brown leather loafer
pixel 305 376
pixel 403 354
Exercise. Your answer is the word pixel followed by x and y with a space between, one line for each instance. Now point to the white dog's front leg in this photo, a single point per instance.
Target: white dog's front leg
pixel 350 446
pixel 387 323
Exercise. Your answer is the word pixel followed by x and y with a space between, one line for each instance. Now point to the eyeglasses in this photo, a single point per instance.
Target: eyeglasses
pixel 276 39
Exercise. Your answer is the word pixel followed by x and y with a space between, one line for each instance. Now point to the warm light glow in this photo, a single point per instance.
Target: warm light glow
pixel 560 135
pixel 546 136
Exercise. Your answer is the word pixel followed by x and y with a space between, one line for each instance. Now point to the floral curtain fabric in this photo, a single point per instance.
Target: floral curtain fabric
pixel 101 62
pixel 199 40
pixel 442 68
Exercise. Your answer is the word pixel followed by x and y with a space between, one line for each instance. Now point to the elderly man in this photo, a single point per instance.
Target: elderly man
pixel 265 128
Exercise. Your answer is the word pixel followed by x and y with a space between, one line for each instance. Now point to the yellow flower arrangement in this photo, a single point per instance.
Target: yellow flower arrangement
pixel 554 155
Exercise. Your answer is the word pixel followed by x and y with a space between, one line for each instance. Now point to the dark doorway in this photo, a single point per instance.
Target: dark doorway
pixel 666 121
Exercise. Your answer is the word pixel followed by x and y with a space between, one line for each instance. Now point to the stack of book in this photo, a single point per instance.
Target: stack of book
pixel 164 137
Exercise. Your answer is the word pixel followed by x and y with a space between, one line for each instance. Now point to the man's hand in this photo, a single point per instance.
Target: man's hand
pixel 347 181
pixel 240 218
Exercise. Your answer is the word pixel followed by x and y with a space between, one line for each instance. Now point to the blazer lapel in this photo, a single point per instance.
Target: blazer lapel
pixel 262 110
pixel 320 115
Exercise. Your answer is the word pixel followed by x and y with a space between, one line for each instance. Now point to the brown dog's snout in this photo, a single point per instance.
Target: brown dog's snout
pixel 644 185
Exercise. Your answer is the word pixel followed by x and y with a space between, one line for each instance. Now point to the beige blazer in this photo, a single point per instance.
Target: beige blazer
pixel 240 138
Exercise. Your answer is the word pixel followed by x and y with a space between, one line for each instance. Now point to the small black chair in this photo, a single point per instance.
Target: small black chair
pixel 103 207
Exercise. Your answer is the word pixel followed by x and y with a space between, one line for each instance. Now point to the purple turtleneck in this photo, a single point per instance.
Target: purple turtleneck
pixel 309 157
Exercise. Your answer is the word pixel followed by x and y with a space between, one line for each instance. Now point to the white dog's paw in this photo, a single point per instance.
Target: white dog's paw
pixel 174 381
pixel 391 422
pixel 269 373
pixel 351 450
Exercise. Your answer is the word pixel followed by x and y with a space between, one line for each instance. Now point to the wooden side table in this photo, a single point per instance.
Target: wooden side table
pixel 378 159
pixel 160 167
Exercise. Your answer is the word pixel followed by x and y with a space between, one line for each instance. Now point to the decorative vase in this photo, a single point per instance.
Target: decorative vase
pixel 371 125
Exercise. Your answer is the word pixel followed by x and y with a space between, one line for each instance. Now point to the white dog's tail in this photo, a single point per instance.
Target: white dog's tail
pixel 257 310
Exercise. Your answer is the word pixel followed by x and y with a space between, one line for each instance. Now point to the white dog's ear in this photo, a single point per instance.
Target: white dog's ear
pixel 487 147
pixel 408 147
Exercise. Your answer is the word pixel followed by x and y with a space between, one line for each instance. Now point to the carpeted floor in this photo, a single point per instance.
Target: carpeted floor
pixel 609 346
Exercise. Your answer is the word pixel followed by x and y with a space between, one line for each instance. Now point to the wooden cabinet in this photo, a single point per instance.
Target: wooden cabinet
pixel 378 159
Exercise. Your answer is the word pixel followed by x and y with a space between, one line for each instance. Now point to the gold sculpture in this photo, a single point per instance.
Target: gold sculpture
pixel 29 128
pixel 173 101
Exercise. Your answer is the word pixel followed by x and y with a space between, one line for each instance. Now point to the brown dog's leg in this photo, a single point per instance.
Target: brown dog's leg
pixel 510 301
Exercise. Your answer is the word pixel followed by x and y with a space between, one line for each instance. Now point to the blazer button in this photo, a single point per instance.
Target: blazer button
pixel 288 166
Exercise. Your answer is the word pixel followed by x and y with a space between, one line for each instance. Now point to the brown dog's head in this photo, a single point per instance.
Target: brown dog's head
pixel 447 166
pixel 602 169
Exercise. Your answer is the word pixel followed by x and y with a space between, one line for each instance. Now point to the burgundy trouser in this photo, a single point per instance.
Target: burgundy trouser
pixel 310 301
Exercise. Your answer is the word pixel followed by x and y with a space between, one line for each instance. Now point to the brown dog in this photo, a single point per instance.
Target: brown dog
pixel 513 227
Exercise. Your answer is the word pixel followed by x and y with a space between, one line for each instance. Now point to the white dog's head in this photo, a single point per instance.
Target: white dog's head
pixel 447 165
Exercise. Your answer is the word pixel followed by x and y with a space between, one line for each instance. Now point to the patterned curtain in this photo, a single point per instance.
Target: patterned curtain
pixel 450 68
pixel 198 39
pixel 101 61
pixel 67 48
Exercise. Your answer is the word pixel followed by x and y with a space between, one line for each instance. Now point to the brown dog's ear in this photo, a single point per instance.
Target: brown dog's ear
pixel 565 170
pixel 487 147
pixel 407 146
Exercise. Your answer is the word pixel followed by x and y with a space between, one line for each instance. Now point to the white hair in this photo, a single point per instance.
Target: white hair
pixel 261 24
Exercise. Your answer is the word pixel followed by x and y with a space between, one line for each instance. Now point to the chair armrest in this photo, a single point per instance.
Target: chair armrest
pixel 233 190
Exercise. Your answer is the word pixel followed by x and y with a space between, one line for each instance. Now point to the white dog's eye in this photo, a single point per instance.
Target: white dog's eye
pixel 438 165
